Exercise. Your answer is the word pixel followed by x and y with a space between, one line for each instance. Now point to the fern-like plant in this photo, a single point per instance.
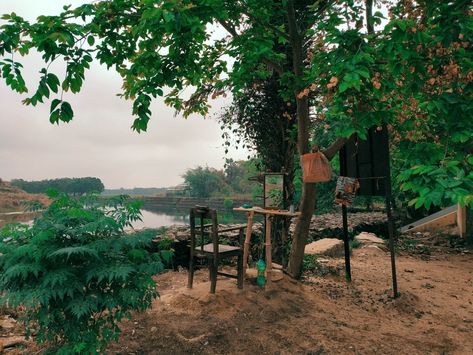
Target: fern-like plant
pixel 77 272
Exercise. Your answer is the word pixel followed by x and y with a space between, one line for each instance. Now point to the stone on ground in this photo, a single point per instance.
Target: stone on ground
pixel 328 246
pixel 7 323
pixel 12 341
pixel 368 238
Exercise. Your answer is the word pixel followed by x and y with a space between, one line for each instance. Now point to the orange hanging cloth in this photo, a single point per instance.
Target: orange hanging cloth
pixel 315 167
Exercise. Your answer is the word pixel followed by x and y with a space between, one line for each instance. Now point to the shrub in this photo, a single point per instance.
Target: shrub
pixel 228 204
pixel 354 243
pixel 310 263
pixel 77 273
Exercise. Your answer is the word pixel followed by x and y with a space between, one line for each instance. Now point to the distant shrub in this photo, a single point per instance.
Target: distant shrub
pixel 228 203
pixel 310 263
pixel 354 243
pixel 77 273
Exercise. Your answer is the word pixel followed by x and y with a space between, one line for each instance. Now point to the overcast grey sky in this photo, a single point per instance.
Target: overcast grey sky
pixel 99 141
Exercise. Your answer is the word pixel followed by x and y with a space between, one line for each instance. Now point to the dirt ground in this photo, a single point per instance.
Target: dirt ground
pixel 321 315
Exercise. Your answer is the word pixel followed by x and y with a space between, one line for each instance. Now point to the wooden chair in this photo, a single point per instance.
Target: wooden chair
pixel 213 251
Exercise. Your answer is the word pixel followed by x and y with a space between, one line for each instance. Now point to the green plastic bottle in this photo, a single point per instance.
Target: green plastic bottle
pixel 261 267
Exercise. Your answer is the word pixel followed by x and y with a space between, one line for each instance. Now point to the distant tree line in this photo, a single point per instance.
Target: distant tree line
pixel 231 181
pixel 74 186
pixel 141 191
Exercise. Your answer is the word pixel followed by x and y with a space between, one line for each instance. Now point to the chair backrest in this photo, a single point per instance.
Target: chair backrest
pixel 198 215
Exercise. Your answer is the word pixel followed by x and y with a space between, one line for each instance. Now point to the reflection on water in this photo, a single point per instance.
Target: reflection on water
pixel 158 219
pixel 150 218
pixel 168 217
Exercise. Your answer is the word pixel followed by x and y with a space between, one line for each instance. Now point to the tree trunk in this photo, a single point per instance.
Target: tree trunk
pixel 296 256
pixel 302 230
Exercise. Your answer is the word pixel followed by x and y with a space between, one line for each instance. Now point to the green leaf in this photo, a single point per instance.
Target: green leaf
pixel 54 104
pixel 54 116
pixel 73 251
pixel 402 25
pixel 344 86
pixel 66 112
pixel 53 82
pixel 90 40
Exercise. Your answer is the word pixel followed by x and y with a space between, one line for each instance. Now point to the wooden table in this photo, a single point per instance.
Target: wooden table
pixel 268 213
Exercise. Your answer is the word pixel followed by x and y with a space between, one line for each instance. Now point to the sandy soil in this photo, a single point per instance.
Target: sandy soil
pixel 321 315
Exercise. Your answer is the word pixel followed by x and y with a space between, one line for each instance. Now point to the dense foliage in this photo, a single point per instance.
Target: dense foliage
pixel 234 180
pixel 411 71
pixel 74 186
pixel 264 123
pixel 414 73
pixel 77 273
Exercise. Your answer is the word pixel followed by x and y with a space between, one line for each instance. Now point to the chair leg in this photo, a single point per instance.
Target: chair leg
pixel 213 275
pixel 240 271
pixel 191 272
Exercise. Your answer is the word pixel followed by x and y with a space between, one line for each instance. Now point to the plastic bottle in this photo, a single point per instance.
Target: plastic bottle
pixel 261 267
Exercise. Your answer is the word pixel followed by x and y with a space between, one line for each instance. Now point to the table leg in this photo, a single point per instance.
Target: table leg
pixel 269 259
pixel 246 246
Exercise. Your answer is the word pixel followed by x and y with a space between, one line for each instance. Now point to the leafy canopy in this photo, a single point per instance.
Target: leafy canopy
pixel 413 73
pixel 66 185
pixel 412 70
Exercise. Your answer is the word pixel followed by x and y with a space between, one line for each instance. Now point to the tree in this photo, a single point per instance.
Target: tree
pixel 74 186
pixel 203 182
pixel 415 75
pixel 156 44
pixel 335 64
pixel 266 123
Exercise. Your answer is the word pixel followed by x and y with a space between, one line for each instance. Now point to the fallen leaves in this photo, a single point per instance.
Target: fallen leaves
pixel 333 82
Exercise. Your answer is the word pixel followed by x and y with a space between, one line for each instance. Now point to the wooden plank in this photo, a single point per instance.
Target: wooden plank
pixel 445 217
pixel 268 212
pixel 461 220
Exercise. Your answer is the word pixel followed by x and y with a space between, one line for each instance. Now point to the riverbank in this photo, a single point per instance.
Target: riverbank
pixel 186 203
pixel 13 199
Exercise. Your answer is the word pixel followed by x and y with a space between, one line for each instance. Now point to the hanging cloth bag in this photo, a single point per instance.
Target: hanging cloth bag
pixel 315 167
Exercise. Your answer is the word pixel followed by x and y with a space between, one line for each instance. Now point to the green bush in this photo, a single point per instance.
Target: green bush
pixel 354 243
pixel 310 263
pixel 77 273
pixel 228 204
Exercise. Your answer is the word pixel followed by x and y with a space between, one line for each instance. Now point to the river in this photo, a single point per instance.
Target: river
pixel 150 218
pixel 168 217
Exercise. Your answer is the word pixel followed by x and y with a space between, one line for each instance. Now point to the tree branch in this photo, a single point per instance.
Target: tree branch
pixel 230 29
pixel 269 62
pixel 369 16
pixel 267 25
pixel 331 151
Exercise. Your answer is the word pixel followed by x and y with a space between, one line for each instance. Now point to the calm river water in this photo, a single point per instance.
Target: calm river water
pixel 162 218
pixel 150 218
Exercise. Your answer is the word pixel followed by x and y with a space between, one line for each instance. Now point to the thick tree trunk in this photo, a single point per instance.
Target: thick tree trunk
pixel 303 122
pixel 302 230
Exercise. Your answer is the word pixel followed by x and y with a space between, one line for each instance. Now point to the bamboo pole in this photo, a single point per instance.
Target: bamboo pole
pixel 269 261
pixel 246 246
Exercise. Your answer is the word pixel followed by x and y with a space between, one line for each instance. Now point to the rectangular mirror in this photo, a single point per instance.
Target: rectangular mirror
pixel 274 191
